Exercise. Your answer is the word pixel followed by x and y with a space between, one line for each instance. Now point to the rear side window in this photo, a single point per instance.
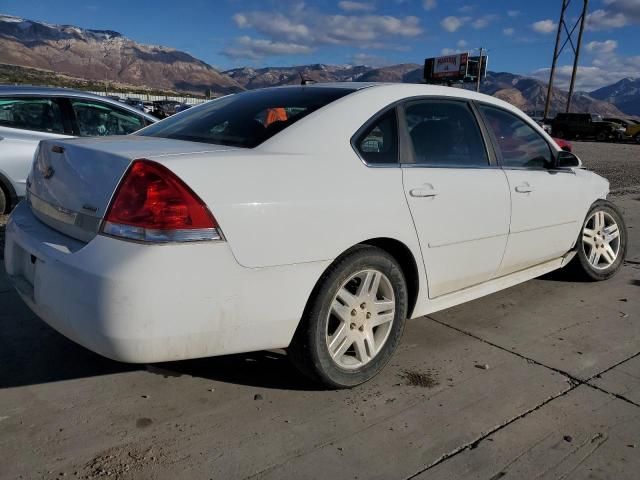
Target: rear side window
pixel 31 113
pixel 100 119
pixel 246 119
pixel 378 144
pixel 519 144
pixel 445 133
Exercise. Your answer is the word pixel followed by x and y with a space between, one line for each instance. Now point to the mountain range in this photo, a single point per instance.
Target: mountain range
pixel 108 56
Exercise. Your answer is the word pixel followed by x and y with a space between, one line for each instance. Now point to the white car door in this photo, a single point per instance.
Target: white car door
pixel 24 121
pixel 546 203
pixel 459 198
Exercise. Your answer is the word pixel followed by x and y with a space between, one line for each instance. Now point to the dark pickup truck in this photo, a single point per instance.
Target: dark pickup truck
pixel 584 125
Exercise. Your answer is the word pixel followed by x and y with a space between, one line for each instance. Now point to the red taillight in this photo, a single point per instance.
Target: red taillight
pixel 153 204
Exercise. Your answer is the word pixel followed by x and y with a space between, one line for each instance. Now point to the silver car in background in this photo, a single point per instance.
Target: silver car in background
pixel 30 114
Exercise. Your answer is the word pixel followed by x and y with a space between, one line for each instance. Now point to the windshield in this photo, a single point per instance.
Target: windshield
pixel 596 118
pixel 245 119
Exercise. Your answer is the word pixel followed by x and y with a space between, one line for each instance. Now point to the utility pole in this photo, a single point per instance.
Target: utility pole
pixel 562 25
pixel 479 70
pixel 576 57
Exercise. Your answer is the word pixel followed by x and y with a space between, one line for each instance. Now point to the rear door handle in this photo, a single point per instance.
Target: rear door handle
pixel 524 188
pixel 423 192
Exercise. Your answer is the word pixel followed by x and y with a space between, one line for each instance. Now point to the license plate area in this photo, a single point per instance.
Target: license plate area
pixel 25 265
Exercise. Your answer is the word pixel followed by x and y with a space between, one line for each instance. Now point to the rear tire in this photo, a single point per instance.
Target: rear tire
pixel 602 136
pixel 637 138
pixel 602 243
pixel 4 201
pixel 354 319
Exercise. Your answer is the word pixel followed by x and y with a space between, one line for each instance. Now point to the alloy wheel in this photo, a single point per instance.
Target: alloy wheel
pixel 601 240
pixel 360 319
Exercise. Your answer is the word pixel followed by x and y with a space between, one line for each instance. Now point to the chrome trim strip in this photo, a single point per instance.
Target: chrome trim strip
pixel 543 227
pixel 458 242
pixel 55 212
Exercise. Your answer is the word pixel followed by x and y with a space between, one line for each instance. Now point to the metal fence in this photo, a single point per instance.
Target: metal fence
pixel 151 98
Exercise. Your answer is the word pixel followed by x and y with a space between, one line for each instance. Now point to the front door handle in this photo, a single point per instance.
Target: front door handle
pixel 423 192
pixel 524 188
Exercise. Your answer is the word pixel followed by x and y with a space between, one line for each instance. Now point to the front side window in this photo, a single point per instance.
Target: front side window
pixel 445 133
pixel 378 144
pixel 246 119
pixel 31 113
pixel 100 119
pixel 519 144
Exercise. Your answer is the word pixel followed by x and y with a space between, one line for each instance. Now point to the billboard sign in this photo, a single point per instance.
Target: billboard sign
pixel 477 66
pixel 454 68
pixel 450 66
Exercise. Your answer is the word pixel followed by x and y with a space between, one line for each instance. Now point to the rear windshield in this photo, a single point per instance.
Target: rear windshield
pixel 245 119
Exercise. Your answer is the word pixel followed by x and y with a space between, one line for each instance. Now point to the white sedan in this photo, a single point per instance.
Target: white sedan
pixel 315 218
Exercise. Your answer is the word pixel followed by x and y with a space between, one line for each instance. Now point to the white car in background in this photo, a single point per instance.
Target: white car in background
pixel 314 218
pixel 31 114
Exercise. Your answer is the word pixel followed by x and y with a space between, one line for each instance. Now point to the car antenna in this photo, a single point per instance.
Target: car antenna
pixel 305 81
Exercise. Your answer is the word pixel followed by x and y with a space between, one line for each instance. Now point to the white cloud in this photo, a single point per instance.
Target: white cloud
pixel 508 31
pixel 276 25
pixel 607 46
pixel 368 59
pixel 466 9
pixel 544 26
pixel 483 21
pixel 513 13
pixel 348 6
pixel 600 73
pixel 254 49
pixel 429 4
pixel 451 24
pixel 313 28
pixel 606 20
pixel 461 43
pixel 449 51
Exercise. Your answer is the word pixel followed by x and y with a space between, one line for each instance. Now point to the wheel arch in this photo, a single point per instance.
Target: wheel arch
pixel 9 190
pixel 400 252
pixel 407 262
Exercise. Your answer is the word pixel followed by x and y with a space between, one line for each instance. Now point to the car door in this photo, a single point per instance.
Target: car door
pixel 459 198
pixel 544 201
pixel 24 121
pixel 94 118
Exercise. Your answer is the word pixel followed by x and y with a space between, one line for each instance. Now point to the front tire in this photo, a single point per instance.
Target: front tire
pixel 354 320
pixel 602 244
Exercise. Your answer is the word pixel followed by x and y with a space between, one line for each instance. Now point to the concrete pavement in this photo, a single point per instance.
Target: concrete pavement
pixel 539 381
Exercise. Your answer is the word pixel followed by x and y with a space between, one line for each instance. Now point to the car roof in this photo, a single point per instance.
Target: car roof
pixel 29 90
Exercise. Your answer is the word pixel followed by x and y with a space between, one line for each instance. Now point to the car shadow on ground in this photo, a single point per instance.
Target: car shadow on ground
pixel 264 369
pixel 33 353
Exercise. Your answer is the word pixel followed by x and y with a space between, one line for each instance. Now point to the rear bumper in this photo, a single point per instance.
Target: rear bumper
pixel 139 303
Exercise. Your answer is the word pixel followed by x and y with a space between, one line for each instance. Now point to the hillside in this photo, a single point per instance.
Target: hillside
pixel 81 58
pixel 525 93
pixel 624 94
pixel 105 55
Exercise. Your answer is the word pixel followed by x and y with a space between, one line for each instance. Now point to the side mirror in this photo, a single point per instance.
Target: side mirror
pixel 566 159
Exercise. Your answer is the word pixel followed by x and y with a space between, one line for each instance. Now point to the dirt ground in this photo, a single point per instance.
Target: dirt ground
pixel 538 381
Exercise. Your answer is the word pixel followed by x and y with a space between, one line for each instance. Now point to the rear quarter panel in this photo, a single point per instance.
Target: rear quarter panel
pixel 288 208
pixel 17 147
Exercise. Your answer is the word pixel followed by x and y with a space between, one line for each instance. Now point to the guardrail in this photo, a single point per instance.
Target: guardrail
pixel 150 98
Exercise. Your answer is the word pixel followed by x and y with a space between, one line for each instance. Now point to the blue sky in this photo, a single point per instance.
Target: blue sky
pixel 231 33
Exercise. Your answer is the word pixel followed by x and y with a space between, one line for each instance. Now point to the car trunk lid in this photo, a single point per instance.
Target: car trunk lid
pixel 71 183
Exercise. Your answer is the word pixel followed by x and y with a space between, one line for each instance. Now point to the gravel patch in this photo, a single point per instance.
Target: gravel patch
pixel 618 163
